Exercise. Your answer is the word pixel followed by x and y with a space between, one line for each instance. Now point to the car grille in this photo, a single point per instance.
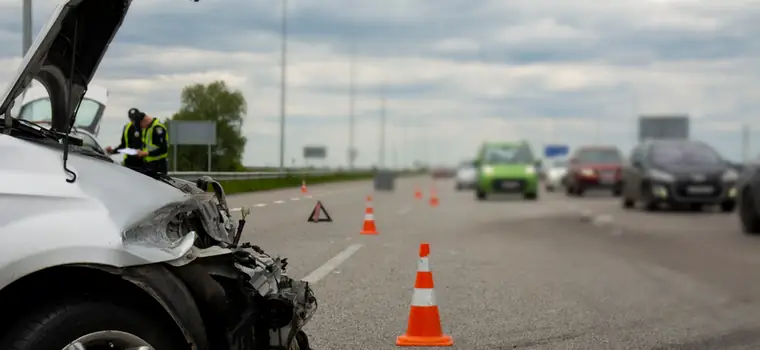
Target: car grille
pixel 508 185
pixel 697 189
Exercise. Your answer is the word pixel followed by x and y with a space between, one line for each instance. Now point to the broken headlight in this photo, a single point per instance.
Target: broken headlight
pixel 164 228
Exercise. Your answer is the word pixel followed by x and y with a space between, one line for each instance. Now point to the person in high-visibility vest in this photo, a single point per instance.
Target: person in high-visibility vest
pixel 155 142
pixel 131 137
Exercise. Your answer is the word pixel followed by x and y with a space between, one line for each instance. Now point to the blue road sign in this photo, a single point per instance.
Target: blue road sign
pixel 551 151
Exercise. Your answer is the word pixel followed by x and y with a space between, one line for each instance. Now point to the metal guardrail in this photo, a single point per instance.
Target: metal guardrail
pixel 254 175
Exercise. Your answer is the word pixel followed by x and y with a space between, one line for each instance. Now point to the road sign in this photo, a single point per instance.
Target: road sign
pixel 191 133
pixel 196 133
pixel 315 152
pixel 551 151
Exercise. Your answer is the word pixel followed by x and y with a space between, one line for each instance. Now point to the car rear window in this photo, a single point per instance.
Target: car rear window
pixel 684 153
pixel 603 156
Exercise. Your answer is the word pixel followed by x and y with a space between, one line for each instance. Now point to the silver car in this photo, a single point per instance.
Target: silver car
pixel 95 255
pixel 555 175
pixel 466 175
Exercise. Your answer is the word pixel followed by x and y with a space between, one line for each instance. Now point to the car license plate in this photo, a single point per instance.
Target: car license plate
pixel 509 185
pixel 607 179
pixel 700 189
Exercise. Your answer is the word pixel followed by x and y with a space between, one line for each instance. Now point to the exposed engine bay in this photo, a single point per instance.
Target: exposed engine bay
pixel 245 297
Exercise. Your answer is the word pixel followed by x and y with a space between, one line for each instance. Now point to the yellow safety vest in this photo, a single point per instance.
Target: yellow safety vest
pixel 148 144
pixel 126 138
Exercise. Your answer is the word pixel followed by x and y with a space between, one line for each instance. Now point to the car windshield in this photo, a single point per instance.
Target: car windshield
pixel 685 153
pixel 39 111
pixel 467 165
pixel 601 156
pixel 560 163
pixel 508 154
pixel 87 140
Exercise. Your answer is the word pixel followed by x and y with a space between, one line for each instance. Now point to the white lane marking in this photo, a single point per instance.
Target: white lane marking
pixel 235 209
pixel 261 205
pixel 295 199
pixel 404 211
pixel 309 196
pixel 324 270
pixel 279 202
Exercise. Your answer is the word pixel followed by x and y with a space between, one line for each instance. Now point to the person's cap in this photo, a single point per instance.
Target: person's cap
pixel 135 114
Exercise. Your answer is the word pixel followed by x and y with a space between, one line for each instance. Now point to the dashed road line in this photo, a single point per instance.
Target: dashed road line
pixel 295 199
pixel 260 205
pixel 324 270
pixel 279 202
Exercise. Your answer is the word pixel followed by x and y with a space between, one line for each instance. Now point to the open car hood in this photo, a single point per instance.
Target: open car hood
pixel 68 50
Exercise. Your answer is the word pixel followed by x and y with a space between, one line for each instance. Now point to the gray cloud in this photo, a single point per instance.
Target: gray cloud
pixel 458 67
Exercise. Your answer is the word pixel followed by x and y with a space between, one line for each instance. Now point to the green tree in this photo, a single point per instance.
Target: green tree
pixel 213 102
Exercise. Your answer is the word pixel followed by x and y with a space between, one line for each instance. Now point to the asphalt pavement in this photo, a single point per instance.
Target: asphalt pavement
pixel 556 273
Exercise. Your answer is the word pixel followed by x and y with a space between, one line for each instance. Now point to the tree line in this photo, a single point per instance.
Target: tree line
pixel 227 108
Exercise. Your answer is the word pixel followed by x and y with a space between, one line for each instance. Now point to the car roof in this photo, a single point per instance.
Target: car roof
pixel 597 148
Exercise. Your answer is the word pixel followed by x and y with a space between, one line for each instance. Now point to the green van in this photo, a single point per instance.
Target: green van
pixel 508 168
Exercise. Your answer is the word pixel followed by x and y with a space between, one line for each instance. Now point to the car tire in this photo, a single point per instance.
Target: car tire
pixel 748 216
pixel 727 207
pixel 569 190
pixel 628 203
pixel 54 326
pixel 579 191
pixel 531 196
pixel 549 188
pixel 617 192
pixel 480 195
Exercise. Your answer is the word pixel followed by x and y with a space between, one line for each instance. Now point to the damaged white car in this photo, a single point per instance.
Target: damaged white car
pixel 98 256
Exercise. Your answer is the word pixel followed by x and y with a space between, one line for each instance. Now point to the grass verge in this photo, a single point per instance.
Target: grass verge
pixel 243 186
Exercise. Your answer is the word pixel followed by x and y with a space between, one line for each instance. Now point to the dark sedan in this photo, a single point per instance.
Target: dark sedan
pixel 678 173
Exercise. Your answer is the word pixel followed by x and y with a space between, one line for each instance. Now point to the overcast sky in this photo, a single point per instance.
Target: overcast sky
pixel 455 72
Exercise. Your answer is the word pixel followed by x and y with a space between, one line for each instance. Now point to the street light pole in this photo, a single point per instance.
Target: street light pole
pixel 351 105
pixel 26 20
pixel 283 85
pixel 381 160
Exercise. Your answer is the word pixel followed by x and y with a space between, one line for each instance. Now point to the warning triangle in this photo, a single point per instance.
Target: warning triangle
pixel 315 214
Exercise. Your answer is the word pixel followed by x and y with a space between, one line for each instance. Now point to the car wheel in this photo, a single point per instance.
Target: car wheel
pixel 579 191
pixel 617 192
pixel 628 203
pixel 748 215
pixel 480 195
pixel 530 196
pixel 569 190
pixel 90 324
pixel 549 188
pixel 727 207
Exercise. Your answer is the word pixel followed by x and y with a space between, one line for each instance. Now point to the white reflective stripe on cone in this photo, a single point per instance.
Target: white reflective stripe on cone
pixel 423 297
pixel 368 217
pixel 423 265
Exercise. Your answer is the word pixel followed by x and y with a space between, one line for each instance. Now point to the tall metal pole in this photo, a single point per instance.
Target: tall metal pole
pixel 351 105
pixel 283 85
pixel 745 142
pixel 381 156
pixel 26 20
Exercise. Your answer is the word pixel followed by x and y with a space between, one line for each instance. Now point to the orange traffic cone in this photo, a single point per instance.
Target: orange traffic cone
pixel 417 193
pixel 433 197
pixel 303 187
pixel 369 219
pixel 424 328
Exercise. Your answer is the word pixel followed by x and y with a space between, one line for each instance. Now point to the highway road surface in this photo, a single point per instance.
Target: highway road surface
pixel 557 273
